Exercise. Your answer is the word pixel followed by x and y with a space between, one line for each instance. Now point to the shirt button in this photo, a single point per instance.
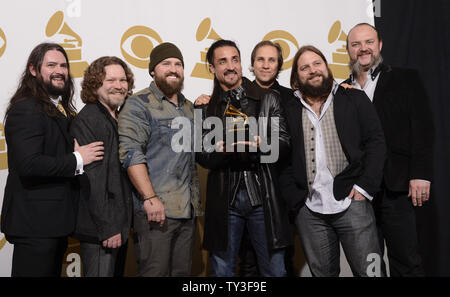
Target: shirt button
pixel 312 149
pixel 312 129
pixel 312 139
pixel 314 171
pixel 313 160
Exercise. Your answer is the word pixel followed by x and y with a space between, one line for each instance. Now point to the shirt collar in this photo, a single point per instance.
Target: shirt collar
pixel 327 102
pixel 56 101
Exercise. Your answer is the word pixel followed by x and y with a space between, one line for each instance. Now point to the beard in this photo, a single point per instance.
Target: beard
pixel 322 91
pixel 114 104
pixel 53 90
pixel 169 88
pixel 357 69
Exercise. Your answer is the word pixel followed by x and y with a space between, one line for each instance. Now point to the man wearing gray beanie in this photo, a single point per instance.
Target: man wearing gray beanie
pixel 166 197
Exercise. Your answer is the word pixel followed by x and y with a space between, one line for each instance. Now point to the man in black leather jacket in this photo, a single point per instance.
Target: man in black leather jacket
pixel 241 188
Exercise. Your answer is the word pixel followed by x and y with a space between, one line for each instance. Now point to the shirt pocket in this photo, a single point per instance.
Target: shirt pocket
pixel 165 131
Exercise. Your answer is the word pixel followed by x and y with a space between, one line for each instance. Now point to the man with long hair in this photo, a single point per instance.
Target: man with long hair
pixel 38 210
pixel 105 205
pixel 335 169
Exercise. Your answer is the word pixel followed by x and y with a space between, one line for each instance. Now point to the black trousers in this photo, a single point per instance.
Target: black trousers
pixel 37 257
pixel 396 223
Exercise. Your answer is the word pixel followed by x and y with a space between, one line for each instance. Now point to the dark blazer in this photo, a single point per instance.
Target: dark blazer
pixel 405 114
pixel 105 205
pixel 362 141
pixel 41 188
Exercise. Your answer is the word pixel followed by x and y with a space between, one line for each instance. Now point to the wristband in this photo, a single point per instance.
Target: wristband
pixel 149 198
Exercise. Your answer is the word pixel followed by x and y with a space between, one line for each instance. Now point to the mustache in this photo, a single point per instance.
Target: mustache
pixel 118 91
pixel 365 52
pixel 53 76
pixel 173 74
pixel 230 72
pixel 314 75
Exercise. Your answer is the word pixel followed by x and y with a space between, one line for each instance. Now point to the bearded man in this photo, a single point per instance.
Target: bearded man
pixel 404 110
pixel 39 205
pixel 166 197
pixel 104 210
pixel 336 167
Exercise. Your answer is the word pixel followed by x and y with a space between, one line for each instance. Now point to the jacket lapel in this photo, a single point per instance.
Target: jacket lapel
pixel 382 83
pixel 297 128
pixel 63 124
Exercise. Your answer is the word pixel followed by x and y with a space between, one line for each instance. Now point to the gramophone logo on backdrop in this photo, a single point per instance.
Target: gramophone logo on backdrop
pixel 204 31
pixel 72 45
pixel 287 42
pixel 137 43
pixel 339 58
pixel 2 42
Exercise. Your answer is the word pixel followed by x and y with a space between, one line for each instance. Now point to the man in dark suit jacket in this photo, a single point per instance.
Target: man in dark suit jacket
pixel 336 167
pixel 38 210
pixel 105 205
pixel 403 108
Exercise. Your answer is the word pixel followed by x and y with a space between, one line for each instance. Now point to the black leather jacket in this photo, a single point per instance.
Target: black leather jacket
pixel 227 170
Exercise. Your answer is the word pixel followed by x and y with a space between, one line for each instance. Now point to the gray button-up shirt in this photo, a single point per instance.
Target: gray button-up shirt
pixel 145 136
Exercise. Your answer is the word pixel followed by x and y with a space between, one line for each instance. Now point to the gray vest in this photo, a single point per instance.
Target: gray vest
pixel 336 160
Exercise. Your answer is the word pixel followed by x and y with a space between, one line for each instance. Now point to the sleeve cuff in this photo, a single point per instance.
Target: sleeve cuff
pixel 79 170
pixel 422 180
pixel 360 190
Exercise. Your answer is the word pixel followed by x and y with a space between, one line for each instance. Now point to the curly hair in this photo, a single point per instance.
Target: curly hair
pixel 95 74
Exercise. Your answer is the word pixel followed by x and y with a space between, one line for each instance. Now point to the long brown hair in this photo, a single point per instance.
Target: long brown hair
pixel 31 86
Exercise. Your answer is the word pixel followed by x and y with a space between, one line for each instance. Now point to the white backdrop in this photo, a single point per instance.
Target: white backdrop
pixel 130 29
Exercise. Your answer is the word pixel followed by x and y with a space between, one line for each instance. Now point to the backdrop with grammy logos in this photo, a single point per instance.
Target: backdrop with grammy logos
pixel 130 30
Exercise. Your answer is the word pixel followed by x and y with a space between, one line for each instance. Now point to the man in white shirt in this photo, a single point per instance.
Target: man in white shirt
pixel 336 168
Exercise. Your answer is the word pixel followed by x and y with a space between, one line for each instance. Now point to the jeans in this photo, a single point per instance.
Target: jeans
pixel 270 263
pixel 354 228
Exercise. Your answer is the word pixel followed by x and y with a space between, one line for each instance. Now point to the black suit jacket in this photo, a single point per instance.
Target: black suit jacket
pixel 405 114
pixel 105 204
pixel 362 141
pixel 39 192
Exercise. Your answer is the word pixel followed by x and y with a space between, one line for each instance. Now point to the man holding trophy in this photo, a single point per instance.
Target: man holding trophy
pixel 242 189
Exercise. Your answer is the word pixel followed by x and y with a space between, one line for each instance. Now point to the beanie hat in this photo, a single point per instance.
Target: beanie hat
pixel 163 51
